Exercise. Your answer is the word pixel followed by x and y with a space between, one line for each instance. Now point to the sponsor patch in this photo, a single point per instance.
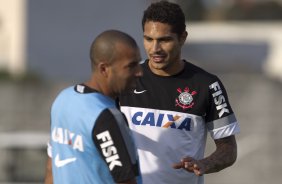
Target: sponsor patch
pixel 219 99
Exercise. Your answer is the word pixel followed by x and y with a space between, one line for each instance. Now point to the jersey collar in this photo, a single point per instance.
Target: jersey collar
pixel 83 89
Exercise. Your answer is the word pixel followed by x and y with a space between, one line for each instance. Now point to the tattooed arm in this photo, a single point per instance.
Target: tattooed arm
pixel 224 156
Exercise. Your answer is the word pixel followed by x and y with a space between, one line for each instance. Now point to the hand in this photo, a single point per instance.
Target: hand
pixel 191 165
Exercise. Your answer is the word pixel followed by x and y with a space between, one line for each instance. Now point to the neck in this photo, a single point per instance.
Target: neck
pixel 98 85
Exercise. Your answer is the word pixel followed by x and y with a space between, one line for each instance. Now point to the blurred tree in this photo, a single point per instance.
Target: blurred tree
pixel 252 10
pixel 194 10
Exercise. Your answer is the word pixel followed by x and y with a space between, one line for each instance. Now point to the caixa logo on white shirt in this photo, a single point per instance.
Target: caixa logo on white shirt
pixel 219 99
pixel 109 150
pixel 158 118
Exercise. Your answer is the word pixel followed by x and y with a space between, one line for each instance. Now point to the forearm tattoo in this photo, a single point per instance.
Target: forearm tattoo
pixel 224 156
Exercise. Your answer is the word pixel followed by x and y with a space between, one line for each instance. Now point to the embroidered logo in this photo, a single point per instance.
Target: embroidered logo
pixel 185 99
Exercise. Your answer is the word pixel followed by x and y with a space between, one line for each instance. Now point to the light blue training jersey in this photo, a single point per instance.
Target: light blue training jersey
pixel 82 154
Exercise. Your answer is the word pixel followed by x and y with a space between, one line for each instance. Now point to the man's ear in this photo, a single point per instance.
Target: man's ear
pixel 103 68
pixel 183 37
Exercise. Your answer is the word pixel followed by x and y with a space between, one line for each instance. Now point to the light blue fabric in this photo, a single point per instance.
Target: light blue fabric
pixel 73 117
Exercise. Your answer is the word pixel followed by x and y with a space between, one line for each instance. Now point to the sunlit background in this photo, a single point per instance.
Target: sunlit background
pixel 44 47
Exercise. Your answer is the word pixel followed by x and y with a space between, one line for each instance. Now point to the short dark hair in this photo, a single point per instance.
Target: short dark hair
pixel 168 13
pixel 104 46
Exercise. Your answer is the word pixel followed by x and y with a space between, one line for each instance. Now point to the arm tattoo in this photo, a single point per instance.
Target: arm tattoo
pixel 224 155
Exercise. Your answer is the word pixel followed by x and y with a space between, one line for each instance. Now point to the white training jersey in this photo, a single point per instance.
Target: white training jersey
pixel 170 117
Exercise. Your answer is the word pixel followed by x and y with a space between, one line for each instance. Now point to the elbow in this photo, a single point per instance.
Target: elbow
pixel 233 155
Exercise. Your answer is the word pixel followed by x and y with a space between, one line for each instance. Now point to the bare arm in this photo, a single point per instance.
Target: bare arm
pixel 48 172
pixel 224 156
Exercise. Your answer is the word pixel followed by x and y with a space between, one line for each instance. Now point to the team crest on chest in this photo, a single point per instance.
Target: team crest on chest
pixel 185 98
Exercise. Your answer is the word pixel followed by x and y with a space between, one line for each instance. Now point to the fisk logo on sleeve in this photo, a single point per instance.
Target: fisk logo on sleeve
pixel 108 149
pixel 219 99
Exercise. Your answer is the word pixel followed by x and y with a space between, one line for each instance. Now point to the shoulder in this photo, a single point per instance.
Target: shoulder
pixel 64 94
pixel 199 74
pixel 111 115
pixel 111 120
pixel 66 91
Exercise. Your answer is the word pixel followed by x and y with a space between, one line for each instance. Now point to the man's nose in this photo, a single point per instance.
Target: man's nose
pixel 156 46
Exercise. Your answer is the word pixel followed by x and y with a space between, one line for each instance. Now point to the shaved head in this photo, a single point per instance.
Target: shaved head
pixel 104 47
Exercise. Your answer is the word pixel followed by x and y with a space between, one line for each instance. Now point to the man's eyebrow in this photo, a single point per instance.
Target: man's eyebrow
pixel 145 36
pixel 159 38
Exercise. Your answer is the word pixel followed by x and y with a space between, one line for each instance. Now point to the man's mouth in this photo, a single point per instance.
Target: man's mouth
pixel 158 58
